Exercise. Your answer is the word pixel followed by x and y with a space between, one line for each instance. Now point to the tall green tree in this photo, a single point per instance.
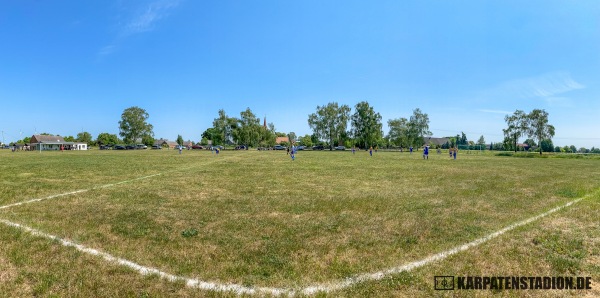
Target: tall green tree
pixel 84 137
pixel 268 136
pixel 453 142
pixel 530 143
pixel 148 140
pixel 107 139
pixel 463 139
pixel 539 127
pixel 306 140
pixel 329 122
pixel 314 138
pixel 214 135
pixel 225 126
pixel 398 134
pixel 481 140
pixel 418 127
pixel 248 132
pixel 547 145
pixel 179 140
pixel 366 125
pixel 134 125
pixel 517 126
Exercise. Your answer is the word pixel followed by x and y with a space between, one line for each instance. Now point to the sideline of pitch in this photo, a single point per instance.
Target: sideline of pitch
pixel 310 290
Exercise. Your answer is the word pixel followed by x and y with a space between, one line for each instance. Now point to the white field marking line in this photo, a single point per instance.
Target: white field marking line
pixel 143 270
pixel 97 187
pixel 311 290
pixel 76 192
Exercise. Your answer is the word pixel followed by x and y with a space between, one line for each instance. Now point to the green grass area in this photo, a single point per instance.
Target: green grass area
pixel 260 219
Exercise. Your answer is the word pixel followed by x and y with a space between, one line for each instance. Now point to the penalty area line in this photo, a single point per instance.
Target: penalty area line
pixel 310 290
pixel 96 187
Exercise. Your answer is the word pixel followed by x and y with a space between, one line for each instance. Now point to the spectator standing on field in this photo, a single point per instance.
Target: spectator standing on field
pixel 426 152
pixel 371 151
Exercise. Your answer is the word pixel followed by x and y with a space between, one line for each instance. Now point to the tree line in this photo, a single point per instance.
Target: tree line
pixel 334 124
pixel 245 130
pixel 534 125
pixel 331 125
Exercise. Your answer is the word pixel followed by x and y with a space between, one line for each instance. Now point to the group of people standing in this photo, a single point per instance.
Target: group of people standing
pixel 452 151
pixel 291 151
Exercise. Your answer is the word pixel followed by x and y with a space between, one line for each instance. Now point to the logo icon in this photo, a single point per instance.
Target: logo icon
pixel 444 283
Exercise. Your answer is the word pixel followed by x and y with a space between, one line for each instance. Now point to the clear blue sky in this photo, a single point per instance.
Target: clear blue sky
pixel 68 66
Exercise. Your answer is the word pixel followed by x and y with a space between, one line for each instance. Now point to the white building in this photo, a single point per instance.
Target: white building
pixel 49 142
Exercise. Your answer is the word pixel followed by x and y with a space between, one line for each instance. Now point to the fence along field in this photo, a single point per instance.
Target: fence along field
pixel 261 220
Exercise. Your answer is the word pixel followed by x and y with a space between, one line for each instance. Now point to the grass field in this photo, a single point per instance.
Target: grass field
pixel 257 219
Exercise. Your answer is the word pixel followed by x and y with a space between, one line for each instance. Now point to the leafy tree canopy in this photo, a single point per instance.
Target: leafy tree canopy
pixel 366 125
pixel 84 137
pixel 329 121
pixel 418 127
pixel 107 139
pixel 133 125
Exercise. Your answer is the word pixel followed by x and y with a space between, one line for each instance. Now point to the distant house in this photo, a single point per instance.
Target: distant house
pixel 279 140
pixel 50 142
pixel 188 144
pixel 435 141
pixel 165 143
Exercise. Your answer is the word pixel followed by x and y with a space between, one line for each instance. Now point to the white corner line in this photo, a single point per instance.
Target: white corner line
pixel 76 192
pixel 310 290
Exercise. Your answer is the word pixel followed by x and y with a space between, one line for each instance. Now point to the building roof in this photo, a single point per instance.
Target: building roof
pixel 436 141
pixel 278 140
pixel 47 139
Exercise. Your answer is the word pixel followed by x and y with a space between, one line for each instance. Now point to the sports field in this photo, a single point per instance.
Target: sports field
pixel 154 223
